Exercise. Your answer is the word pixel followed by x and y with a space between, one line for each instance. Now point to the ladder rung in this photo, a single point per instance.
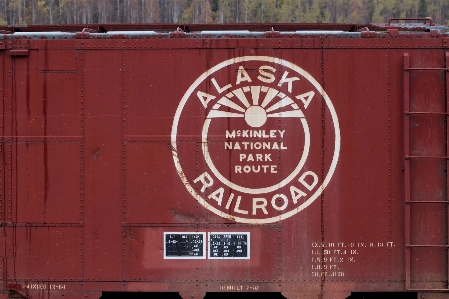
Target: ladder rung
pixel 426 157
pixel 423 112
pixel 428 290
pixel 408 143
pixel 426 246
pixel 426 69
pixel 430 201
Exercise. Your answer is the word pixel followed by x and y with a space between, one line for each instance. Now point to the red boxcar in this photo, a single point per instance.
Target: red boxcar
pixel 304 159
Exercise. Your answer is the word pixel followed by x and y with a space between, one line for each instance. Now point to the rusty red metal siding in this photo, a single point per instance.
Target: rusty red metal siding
pixel 113 141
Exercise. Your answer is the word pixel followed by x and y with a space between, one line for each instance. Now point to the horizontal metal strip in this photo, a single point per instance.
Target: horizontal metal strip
pixel 426 113
pixel 426 246
pixel 428 290
pixel 426 69
pixel 426 157
pixel 160 225
pixel 197 225
pixel 40 139
pixel 37 224
pixel 430 201
pixel 268 47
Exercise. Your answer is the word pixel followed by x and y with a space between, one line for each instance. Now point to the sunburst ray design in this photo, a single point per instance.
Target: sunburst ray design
pixel 256 114
pixel 255 92
pixel 282 103
pixel 227 102
pixel 241 96
pixel 271 93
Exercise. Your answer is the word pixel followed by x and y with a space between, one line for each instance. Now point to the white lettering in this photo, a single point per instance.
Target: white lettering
pixel 205 179
pixel 265 76
pixel 218 88
pixel 284 205
pixel 230 135
pixel 204 98
pixel 296 194
pixel 237 205
pixel 217 195
pixel 228 204
pixel 289 81
pixel 242 76
pixel 307 185
pixel 306 98
pixel 259 203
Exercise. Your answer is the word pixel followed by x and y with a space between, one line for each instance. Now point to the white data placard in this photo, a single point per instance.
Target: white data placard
pixel 229 245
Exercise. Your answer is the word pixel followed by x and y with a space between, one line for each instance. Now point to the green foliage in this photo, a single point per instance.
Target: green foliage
pixel 23 12
pixel 422 8
pixel 291 11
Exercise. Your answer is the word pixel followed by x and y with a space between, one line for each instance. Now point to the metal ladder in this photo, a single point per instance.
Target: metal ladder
pixel 411 178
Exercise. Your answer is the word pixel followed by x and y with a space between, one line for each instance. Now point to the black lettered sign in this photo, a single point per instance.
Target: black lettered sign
pixel 182 245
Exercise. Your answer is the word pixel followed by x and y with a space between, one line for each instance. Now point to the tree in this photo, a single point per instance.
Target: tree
pixel 422 9
pixel 291 11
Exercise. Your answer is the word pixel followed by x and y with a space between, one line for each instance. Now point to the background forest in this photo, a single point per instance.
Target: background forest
pixel 27 12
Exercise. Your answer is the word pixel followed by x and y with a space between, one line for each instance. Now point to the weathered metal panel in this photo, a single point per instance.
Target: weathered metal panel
pixel 102 159
pixel 307 163
pixel 361 96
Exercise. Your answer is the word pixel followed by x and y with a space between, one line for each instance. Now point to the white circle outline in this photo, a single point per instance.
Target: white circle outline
pixel 295 172
pixel 281 62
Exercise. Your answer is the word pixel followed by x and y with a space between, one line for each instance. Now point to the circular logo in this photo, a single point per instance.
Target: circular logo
pixel 255 139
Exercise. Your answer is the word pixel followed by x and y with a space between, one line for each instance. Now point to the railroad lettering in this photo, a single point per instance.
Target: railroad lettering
pixel 204 98
pixel 257 142
pixel 255 169
pixel 289 81
pixel 255 133
pixel 265 75
pixel 206 180
pixel 258 157
pixel 328 274
pixel 259 203
pixel 218 88
pixel 324 267
pixel 254 145
pixel 35 286
pixel 306 98
pixel 242 76
pixel 278 202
